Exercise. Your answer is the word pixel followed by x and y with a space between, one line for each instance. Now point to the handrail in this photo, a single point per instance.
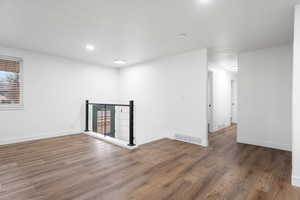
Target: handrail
pixel 131 117
pixel 109 104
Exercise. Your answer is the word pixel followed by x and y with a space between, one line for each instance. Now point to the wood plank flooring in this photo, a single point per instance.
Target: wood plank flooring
pixel 80 167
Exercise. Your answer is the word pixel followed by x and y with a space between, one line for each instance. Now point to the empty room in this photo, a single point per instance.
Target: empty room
pixel 150 100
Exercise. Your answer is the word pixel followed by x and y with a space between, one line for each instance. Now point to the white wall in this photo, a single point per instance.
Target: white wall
pixel 265 97
pixel 122 123
pixel 170 96
pixel 221 99
pixel 296 101
pixel 54 94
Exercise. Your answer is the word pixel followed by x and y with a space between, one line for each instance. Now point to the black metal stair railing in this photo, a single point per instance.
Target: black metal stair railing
pixel 106 121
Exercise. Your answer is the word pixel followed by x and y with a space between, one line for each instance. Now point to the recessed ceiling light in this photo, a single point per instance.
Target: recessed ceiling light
pixel 235 68
pixel 89 47
pixel 205 1
pixel 183 36
pixel 119 62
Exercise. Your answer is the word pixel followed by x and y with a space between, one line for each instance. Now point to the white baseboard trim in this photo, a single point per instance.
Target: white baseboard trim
pixel 272 145
pixel 296 181
pixel 215 129
pixel 115 141
pixel 39 137
pixel 152 140
pixel 204 143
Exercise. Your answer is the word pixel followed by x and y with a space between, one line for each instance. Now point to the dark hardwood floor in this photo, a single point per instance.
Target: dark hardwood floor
pixel 81 167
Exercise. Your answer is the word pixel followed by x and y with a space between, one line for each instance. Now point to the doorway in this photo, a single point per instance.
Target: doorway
pixel 221 102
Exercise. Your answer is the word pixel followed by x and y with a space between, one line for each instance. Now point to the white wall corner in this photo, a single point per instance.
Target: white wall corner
pixel 185 138
pixel 296 181
pixel 205 143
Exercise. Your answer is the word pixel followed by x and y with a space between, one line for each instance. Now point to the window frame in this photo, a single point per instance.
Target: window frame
pixel 19 106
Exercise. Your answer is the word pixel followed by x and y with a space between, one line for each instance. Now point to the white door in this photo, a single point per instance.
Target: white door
pixel 233 101
pixel 209 101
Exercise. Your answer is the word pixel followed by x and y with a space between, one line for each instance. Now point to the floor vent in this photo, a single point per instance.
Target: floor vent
pixel 188 139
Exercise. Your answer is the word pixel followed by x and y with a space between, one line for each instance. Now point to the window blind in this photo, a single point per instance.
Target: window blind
pixel 10 83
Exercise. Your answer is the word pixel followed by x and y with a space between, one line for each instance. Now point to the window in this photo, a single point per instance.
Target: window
pixel 11 87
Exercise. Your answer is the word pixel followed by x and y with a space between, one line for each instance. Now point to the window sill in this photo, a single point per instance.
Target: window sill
pixel 11 107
